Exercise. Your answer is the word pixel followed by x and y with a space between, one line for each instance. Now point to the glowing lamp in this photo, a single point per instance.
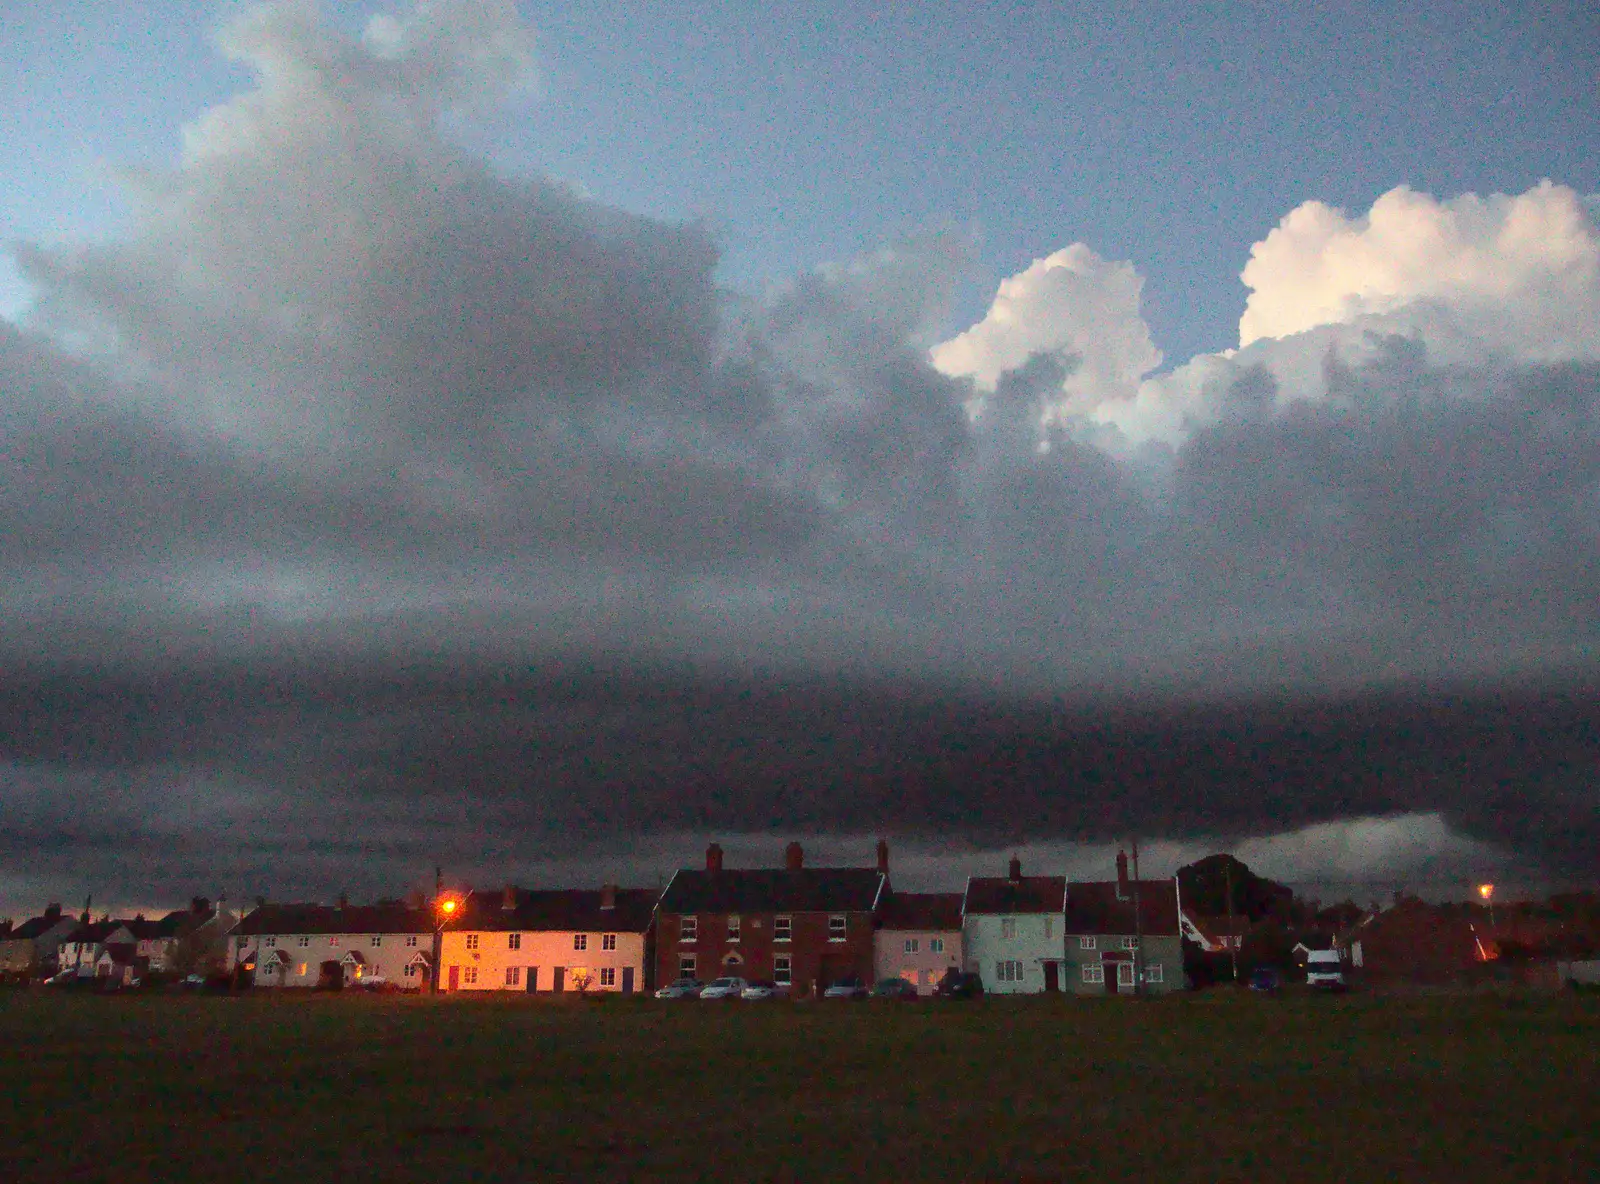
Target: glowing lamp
pixel 1486 890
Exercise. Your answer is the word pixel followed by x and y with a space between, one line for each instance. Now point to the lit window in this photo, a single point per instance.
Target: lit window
pixel 1008 928
pixel 513 976
pixel 781 928
pixel 1130 943
pixel 377 940
pixel 1093 972
pixel 1086 943
pixel 686 965
pixel 469 975
pixel 936 945
pixel 688 929
pixel 333 941
pixel 304 942
pixel 733 928
pixel 472 941
pixel 780 970
pixel 608 976
pixel 911 945
pixel 836 927
pixel 608 941
pixel 411 941
pixel 513 941
pixel 580 941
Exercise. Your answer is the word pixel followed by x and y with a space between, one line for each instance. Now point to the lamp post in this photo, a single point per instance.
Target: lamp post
pixel 444 911
pixel 1486 891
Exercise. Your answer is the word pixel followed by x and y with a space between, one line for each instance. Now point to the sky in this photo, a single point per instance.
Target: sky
pixel 510 434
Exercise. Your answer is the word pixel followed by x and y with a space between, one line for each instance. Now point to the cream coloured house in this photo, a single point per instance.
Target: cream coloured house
pixel 309 945
pixel 549 941
pixel 918 938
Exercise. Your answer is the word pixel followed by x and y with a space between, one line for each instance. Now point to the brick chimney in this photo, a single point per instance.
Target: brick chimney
pixel 344 902
pixel 52 911
pixel 883 856
pixel 794 857
pixel 714 858
pixel 1014 871
pixel 1122 875
pixel 198 905
pixel 508 897
pixel 608 896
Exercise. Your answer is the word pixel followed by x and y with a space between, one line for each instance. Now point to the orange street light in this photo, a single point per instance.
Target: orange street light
pixel 447 906
pixel 1486 890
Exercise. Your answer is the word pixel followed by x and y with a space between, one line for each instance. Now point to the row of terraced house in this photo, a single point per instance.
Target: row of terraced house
pixel 798 926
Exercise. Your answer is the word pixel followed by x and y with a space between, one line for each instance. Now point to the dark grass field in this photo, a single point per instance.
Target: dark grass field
pixel 1215 1087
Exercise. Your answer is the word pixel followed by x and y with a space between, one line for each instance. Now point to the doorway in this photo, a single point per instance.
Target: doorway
pixel 1052 977
pixel 560 983
pixel 455 977
pixel 627 980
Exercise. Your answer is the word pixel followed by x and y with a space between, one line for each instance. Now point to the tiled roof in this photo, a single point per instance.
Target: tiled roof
pixel 560 909
pixel 93 932
pixel 1093 907
pixel 37 927
pixel 1029 894
pixel 773 890
pixel 921 910
pixel 327 918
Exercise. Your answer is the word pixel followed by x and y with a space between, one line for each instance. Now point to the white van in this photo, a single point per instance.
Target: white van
pixel 1324 971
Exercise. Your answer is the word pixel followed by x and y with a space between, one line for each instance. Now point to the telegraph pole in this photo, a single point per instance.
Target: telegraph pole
pixel 1233 949
pixel 1138 927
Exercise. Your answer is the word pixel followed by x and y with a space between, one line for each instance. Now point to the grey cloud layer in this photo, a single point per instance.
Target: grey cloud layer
pixel 346 391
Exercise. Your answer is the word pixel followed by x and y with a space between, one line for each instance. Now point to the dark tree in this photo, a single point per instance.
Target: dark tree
pixel 1204 885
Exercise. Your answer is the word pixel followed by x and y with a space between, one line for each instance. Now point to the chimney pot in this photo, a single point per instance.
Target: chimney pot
pixel 1122 874
pixel 52 910
pixel 608 896
pixel 714 858
pixel 883 856
pixel 794 857
pixel 508 898
pixel 1015 870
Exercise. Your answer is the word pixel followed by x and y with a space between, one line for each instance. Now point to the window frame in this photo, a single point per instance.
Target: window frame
pixel 513 941
pixel 472 941
pixel 1008 929
pixel 733 928
pixel 608 941
pixel 1087 941
pixel 936 945
pixel 783 928
pixel 377 941
pixel 1094 972
pixel 608 976
pixel 513 976
pixel 688 965
pixel 688 930
pixel 580 943
pixel 1130 943
pixel 783 969
pixel 838 927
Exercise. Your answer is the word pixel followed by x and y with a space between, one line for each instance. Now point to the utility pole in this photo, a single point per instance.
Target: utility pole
pixel 1138 927
pixel 1231 937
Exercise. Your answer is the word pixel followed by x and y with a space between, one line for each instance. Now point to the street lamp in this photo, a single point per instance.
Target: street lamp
pixel 1486 891
pixel 444 911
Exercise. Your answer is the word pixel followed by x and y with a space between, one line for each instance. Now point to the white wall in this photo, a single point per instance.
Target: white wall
pixel 389 958
pixel 544 951
pixel 1038 937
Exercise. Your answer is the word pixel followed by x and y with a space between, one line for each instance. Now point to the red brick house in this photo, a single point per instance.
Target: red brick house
pixel 799 926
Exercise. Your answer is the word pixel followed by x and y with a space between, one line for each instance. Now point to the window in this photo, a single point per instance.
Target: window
pixel 1008 928
pixel 781 928
pixel 513 976
pixel 1125 974
pixel 472 941
pixel 780 969
pixel 733 928
pixel 513 941
pixel 1130 943
pixel 836 927
pixel 239 942
pixel 1086 943
pixel 936 945
pixel 688 929
pixel 271 942
pixel 333 941
pixel 377 940
pixel 411 971
pixel 1093 972
pixel 1152 973
pixel 469 975
pixel 580 941
pixel 686 965
pixel 302 970
pixel 1008 971
pixel 912 945
pixel 303 941
pixel 411 941
pixel 608 941
pixel 608 976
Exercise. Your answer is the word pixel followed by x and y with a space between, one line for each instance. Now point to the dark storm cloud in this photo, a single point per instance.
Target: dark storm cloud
pixel 363 503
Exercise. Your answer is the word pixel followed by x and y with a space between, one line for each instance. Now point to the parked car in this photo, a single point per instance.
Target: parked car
pixel 1266 980
pixel 846 988
pixel 763 989
pixel 723 988
pixel 1324 972
pixel 894 988
pixel 372 982
pixel 958 985
pixel 684 988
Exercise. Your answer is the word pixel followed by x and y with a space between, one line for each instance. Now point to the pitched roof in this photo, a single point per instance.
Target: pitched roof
pixel 94 931
pixel 559 909
pixel 1093 907
pixel 1029 894
pixel 921 910
pixel 327 918
pixel 773 890
pixel 38 926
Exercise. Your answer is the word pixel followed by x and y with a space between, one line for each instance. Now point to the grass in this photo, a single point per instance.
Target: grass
pixel 1210 1088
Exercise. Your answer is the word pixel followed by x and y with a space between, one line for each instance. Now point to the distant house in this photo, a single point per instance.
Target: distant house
pixel 307 945
pixel 550 941
pixel 918 938
pixel 1119 931
pixel 801 927
pixel 1214 935
pixel 1415 942
pixel 33 947
pixel 1011 931
pixel 82 946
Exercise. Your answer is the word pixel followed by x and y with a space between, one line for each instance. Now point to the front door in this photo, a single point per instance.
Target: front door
pixel 455 977
pixel 561 979
pixel 627 980
pixel 1109 970
pixel 1125 975
pixel 1052 979
pixel 533 979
